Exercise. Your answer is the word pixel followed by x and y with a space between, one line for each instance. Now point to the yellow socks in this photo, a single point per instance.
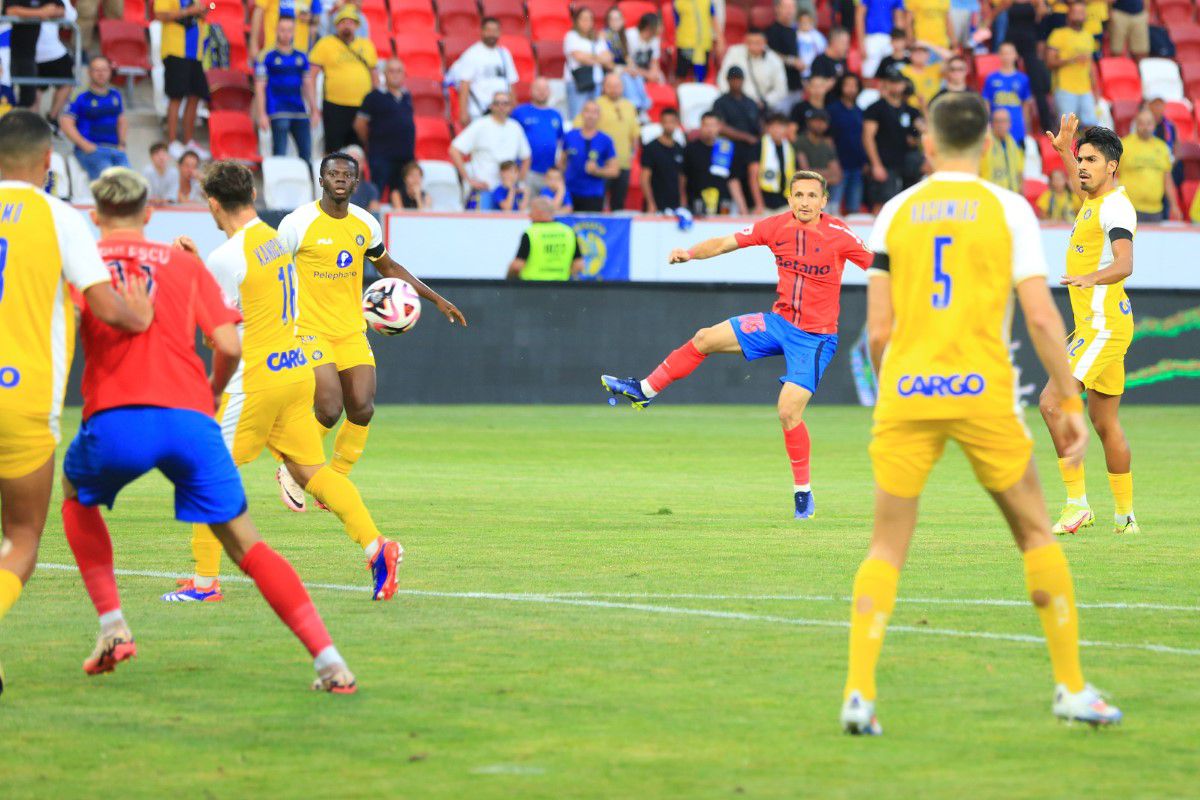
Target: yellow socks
pixel 348 446
pixel 1122 491
pixel 335 490
pixel 206 551
pixel 324 431
pixel 1073 477
pixel 874 599
pixel 1048 579
pixel 10 590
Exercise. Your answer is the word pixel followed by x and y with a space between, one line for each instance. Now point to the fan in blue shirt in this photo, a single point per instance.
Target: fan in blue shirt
pixel 543 127
pixel 94 122
pixel 1008 88
pixel 584 146
pixel 280 88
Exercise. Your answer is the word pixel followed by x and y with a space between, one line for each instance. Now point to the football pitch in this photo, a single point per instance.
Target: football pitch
pixel 597 603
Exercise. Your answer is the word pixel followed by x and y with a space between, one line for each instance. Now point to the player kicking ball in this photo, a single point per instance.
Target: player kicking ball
pixel 268 401
pixel 949 253
pixel 328 240
pixel 810 248
pixel 147 404
pixel 1099 259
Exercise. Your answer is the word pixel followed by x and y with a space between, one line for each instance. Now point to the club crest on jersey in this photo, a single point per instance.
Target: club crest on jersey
pixel 344 259
pixel 286 360
pixel 318 355
pixel 359 240
pixel 308 339
pixel 941 385
pixel 9 377
pixel 1087 213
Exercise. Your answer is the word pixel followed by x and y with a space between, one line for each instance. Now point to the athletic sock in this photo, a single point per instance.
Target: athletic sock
pixel 679 364
pixel 348 446
pixel 874 598
pixel 1048 579
pixel 92 547
pixel 282 589
pixel 1121 484
pixel 206 551
pixel 336 491
pixel 10 590
pixel 1072 476
pixel 799 446
pixel 324 430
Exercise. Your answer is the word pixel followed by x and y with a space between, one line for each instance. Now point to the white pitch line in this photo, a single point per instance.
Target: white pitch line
pixel 669 610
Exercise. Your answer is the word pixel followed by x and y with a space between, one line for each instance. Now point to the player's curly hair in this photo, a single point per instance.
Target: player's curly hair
pixel 120 193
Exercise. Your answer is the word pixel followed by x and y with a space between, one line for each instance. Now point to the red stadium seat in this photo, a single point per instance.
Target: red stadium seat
pixel 522 53
pixel 550 59
pixel 433 138
pixel 381 38
pixel 1051 160
pixel 1187 42
pixel 1190 72
pixel 985 64
pixel 633 197
pixel 135 11
pixel 229 90
pixel 455 46
pixel 419 52
pixel 633 10
pixel 229 17
pixel 414 14
pixel 737 22
pixel 761 16
pixel 1188 192
pixel 667 14
pixel 548 19
pixel 661 96
pixel 598 7
pixel 232 135
pixel 522 92
pixel 1185 122
pixel 239 55
pixel 459 18
pixel 1175 12
pixel 1123 112
pixel 1189 154
pixel 126 46
pixel 1119 79
pixel 427 97
pixel 510 14
pixel 1032 188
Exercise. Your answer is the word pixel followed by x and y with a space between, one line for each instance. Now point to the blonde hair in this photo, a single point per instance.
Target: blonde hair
pixel 120 193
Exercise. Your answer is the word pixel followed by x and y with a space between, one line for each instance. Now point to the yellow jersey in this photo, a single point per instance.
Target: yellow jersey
pixel 347 68
pixel 1075 78
pixel 1058 206
pixel 328 256
pixel 1145 164
pixel 926 82
pixel 43 242
pixel 184 39
pixel 929 21
pixel 255 271
pixel 1103 308
pixel 955 247
pixel 1004 164
pixel 299 10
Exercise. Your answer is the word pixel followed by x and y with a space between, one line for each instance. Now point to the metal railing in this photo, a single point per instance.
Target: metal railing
pixel 76 47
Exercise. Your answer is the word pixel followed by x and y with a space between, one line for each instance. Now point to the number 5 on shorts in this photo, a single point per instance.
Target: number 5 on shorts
pixel 942 298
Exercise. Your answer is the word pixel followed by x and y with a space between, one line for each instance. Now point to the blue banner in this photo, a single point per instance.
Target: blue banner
pixel 604 243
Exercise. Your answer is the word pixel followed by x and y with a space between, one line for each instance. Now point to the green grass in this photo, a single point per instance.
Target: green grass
pixel 467 697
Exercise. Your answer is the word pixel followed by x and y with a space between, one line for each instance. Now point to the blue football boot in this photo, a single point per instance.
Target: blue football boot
pixel 806 507
pixel 629 388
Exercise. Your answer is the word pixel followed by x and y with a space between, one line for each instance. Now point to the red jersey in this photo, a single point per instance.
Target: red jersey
pixel 158 367
pixel 810 258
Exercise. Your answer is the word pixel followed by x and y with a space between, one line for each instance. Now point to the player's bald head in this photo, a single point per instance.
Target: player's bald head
pixel 959 123
pixel 541 209
pixel 24 140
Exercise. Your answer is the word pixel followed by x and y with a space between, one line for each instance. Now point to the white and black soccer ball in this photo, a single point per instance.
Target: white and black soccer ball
pixel 391 306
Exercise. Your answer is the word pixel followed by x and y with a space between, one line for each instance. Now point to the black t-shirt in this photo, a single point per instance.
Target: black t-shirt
pixel 24 36
pixel 697 158
pixel 782 39
pixel 825 67
pixel 888 60
pixel 802 112
pixel 896 125
pixel 391 128
pixel 741 113
pixel 665 162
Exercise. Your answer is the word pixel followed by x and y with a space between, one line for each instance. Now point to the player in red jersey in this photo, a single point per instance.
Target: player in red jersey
pixel 147 404
pixel 810 249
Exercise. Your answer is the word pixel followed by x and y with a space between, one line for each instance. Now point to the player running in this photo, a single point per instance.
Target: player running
pixel 328 240
pixel 268 401
pixel 147 404
pixel 949 252
pixel 1099 259
pixel 44 243
pixel 810 249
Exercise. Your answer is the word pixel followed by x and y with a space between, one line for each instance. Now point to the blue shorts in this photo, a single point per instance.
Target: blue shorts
pixel 807 354
pixel 116 447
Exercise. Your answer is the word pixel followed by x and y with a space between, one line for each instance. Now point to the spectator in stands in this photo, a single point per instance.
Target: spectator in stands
pixel 831 64
pixel 1058 203
pixel 662 167
pixel 810 42
pixel 875 21
pixel 785 43
pixel 1146 172
pixel 891 139
pixel 709 170
pixel 846 125
pixel 1003 161
pixel 965 16
pixel 265 18
pixel 386 125
pixel 1069 56
pixel 588 160
pixel 184 38
pixel 1129 28
pixel 698 31
pixel 284 96
pixel 366 194
pixel 489 142
pixel 898 55
pixel 587 59
pixel 88 14
pixel 53 62
pixel 1024 33
pixel 543 127
pixel 619 120
pixel 741 121
pixel 162 175
pixel 1008 88
pixel 555 189
pixel 815 150
pixel 510 195
pixel 410 195
pixel 485 68
pixel 23 38
pixel 549 250
pixel 188 190
pixel 954 76
pixel 617 38
pixel 348 61
pixel 645 50
pixel 766 79
pixel 816 98
pixel 95 122
pixel 1163 127
pixel 926 78
pixel 931 24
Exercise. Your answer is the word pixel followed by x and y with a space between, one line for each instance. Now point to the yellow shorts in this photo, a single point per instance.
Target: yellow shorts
pixel 280 418
pixel 903 452
pixel 343 352
pixel 26 442
pixel 1098 359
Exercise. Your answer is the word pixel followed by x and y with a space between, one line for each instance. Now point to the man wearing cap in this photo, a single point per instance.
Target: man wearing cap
pixel 741 123
pixel 891 138
pixel 348 61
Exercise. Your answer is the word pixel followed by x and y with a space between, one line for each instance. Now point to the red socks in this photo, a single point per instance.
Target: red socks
pixel 681 363
pixel 282 589
pixel 798 448
pixel 90 543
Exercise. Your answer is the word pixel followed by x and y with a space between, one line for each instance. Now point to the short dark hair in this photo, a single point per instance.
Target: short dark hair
pixel 809 175
pixel 1103 139
pixel 507 165
pixel 486 20
pixel 191 153
pixel 959 120
pixel 669 111
pixel 756 32
pixel 337 156
pixel 837 30
pixel 24 136
pixel 775 117
pixel 229 183
pixel 840 86
pixel 157 147
pixel 648 21
pixel 703 116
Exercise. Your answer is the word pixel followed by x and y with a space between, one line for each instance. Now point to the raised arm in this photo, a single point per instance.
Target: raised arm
pixel 1064 145
pixel 716 246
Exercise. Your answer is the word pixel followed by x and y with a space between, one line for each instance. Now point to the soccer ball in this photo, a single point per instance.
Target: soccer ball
pixel 391 306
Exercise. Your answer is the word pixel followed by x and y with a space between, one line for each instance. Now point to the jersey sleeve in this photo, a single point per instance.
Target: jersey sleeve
pixel 375 248
pixel 877 242
pixel 1028 257
pixel 855 250
pixel 228 267
pixel 289 235
pixel 523 248
pixel 1118 220
pixel 81 262
pixel 212 310
pixel 752 235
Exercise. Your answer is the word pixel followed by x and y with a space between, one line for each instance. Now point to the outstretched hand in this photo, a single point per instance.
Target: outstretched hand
pixel 452 313
pixel 678 256
pixel 1064 140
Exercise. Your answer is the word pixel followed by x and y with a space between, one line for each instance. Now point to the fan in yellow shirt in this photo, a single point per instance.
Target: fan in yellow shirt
pixel 264 19
pixel 1146 172
pixel 1058 203
pixel 926 78
pixel 1069 53
pixel 1003 159
pixel 347 61
pixel 931 21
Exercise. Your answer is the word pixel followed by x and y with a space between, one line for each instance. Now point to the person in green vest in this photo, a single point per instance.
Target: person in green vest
pixel 549 250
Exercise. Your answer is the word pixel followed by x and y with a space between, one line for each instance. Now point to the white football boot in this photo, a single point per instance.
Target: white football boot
pixel 858 716
pixel 1085 706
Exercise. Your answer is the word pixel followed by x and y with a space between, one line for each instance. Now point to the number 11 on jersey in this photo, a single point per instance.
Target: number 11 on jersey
pixel 941 299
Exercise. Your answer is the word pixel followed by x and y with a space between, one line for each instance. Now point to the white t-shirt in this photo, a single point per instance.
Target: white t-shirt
pixel 489 70
pixel 489 145
pixel 642 54
pixel 49 46
pixel 573 42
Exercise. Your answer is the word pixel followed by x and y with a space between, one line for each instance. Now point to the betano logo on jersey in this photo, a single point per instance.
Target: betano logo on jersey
pixel 288 359
pixel 9 377
pixel 941 385
pixel 800 266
